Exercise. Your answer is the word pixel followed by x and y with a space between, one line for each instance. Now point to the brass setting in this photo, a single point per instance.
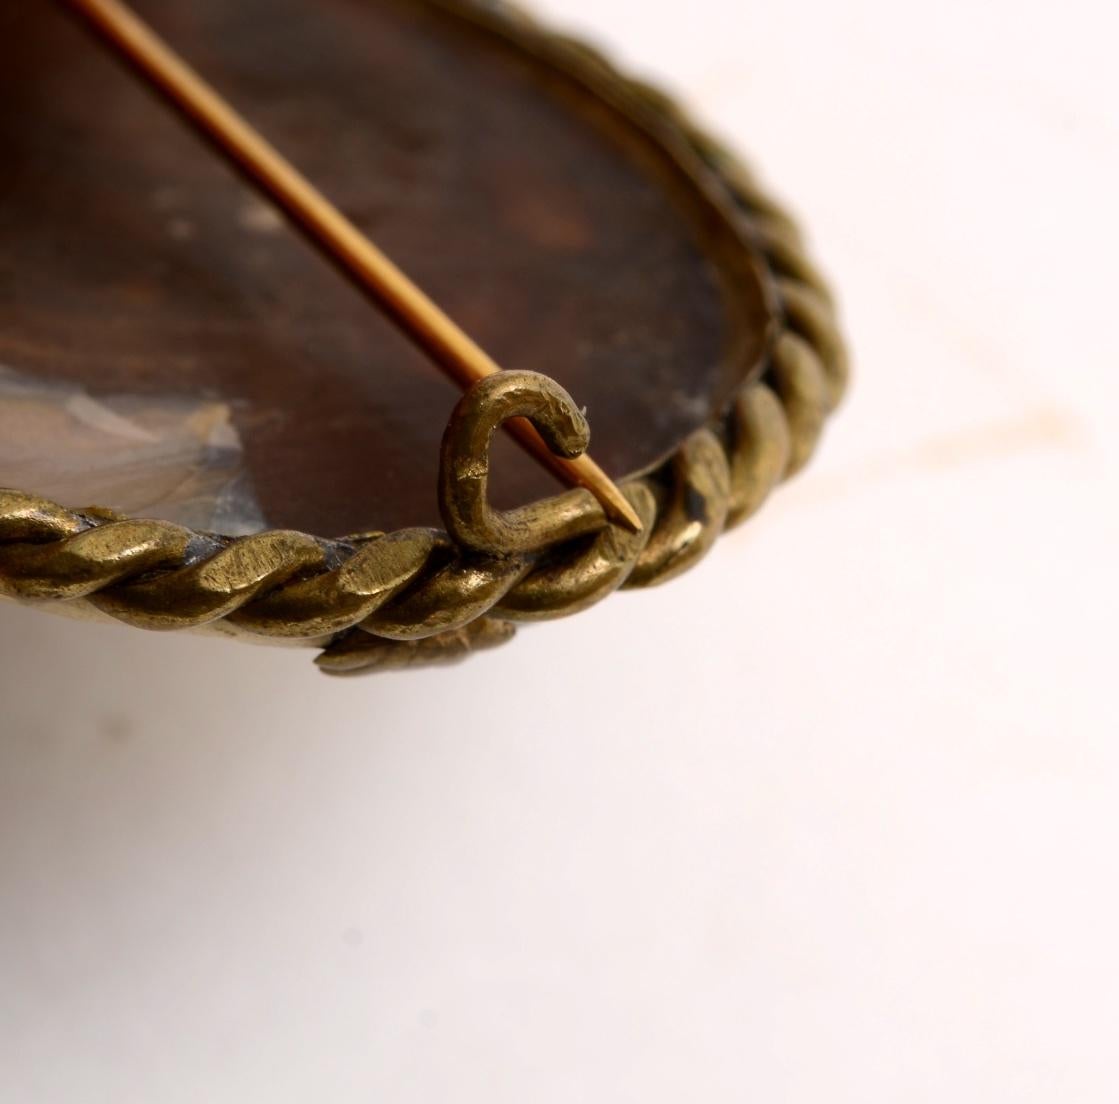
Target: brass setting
pixel 418 596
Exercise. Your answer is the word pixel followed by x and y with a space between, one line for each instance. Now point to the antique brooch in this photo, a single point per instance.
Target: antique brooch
pixel 271 459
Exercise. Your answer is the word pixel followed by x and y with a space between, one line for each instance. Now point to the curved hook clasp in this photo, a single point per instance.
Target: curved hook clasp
pixel 464 466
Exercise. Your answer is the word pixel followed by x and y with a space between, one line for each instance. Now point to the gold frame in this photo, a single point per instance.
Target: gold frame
pixel 424 595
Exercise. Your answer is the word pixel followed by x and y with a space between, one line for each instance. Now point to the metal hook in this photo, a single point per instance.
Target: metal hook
pixel 464 466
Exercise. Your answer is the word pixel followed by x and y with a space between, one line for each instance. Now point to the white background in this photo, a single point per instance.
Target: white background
pixel 833 818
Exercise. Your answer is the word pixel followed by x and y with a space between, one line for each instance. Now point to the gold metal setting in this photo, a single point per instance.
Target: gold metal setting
pixel 419 596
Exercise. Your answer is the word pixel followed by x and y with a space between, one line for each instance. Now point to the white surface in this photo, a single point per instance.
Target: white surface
pixel 849 832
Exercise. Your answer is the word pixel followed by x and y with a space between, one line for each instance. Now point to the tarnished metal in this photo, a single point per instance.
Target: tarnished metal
pixel 361 653
pixel 419 595
pixel 464 466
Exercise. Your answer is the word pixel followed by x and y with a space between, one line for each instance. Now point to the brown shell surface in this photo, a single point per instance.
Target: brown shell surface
pixel 418 596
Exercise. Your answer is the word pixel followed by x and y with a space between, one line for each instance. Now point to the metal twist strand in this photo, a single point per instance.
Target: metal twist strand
pixel 692 513
pixel 759 450
pixel 324 604
pixel 578 577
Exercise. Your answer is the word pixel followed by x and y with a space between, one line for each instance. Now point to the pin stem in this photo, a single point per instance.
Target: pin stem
pixel 452 349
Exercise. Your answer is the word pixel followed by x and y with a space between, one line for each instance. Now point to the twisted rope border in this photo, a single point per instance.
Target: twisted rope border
pixel 414 596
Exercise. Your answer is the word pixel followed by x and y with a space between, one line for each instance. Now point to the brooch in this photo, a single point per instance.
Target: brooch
pixel 271 430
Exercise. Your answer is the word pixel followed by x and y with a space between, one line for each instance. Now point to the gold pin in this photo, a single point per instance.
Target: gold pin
pixel 415 313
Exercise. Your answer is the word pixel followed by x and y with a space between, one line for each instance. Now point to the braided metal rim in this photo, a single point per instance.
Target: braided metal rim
pixel 415 595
